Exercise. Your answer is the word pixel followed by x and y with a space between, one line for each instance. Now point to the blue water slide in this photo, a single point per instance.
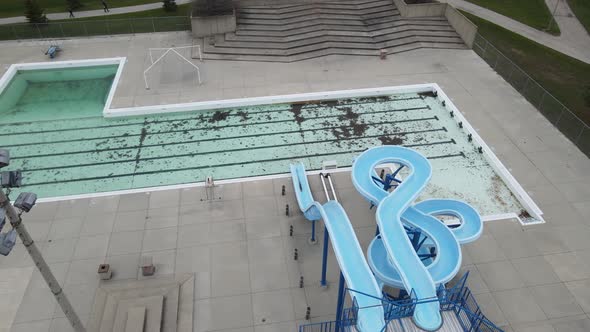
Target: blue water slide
pixel 471 225
pixel 348 251
pixel 391 254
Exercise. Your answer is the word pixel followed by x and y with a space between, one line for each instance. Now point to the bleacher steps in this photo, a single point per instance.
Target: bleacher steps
pixel 287 32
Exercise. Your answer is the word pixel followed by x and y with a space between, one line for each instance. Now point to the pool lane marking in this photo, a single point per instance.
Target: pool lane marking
pixel 218 165
pixel 212 139
pixel 195 117
pixel 201 121
pixel 204 129
pixel 232 150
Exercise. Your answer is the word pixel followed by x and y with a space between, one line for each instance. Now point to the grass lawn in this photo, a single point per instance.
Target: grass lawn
pixel 138 22
pixel 566 78
pixel 182 10
pixel 581 9
pixel 533 13
pixel 9 8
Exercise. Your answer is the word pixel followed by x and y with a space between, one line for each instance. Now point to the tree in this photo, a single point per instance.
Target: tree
pixel 169 5
pixel 73 4
pixel 34 13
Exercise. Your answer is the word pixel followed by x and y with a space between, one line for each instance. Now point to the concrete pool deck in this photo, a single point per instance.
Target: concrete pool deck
pixel 542 268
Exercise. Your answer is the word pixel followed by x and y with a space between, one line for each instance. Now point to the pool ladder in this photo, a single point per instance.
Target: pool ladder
pixel 323 178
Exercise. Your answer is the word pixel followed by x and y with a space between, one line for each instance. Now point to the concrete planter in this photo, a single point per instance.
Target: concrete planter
pixel 464 27
pixel 203 26
pixel 420 10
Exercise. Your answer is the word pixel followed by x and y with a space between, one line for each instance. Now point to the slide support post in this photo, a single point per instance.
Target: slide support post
pixel 340 304
pixel 323 282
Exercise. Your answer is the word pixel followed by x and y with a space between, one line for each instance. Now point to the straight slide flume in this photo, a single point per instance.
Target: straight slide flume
pixel 348 251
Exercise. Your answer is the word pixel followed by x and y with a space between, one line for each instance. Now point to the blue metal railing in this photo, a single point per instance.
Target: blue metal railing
pixel 458 298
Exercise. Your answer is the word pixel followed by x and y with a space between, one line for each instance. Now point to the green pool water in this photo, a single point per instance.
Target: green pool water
pixel 49 94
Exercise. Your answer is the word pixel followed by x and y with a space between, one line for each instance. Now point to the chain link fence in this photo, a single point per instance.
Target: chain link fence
pixel 93 27
pixel 556 112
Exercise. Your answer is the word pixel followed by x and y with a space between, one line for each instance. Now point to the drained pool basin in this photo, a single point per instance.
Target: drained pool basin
pixel 58 93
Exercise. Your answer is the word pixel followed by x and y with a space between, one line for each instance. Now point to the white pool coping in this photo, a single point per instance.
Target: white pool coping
pixel 521 195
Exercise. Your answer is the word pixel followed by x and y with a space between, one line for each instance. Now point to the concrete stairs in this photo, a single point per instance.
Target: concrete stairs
pixel 306 30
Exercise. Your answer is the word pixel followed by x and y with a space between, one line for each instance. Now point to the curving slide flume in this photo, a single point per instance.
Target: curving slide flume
pixel 391 254
pixel 348 251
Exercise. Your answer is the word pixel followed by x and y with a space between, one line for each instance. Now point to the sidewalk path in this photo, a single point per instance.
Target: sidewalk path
pixel 573 41
pixel 91 13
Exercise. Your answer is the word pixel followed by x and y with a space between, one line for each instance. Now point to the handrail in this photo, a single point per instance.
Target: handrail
pixel 332 189
pixel 457 298
pixel 329 176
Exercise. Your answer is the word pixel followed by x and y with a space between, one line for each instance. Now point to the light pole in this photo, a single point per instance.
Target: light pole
pixel 24 203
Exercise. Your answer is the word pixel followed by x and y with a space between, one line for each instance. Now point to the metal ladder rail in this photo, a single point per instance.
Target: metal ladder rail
pixel 323 178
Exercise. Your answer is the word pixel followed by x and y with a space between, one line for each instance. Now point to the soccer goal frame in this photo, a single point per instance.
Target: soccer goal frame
pixel 168 50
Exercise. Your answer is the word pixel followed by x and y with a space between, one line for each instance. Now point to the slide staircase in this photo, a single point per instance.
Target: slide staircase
pixel 459 310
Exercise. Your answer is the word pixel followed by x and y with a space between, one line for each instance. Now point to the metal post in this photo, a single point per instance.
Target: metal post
pixel 62 30
pixel 560 115
pixel 497 60
pixel 416 240
pixel 312 240
pixel 60 296
pixel 153 25
pixel 340 303
pixel 553 15
pixel 579 135
pixel 526 84
pixel 485 49
pixel 541 102
pixel 323 282
pixel 38 30
pixel 510 75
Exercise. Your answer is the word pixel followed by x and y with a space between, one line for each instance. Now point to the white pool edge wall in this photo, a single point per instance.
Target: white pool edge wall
pixel 119 61
pixel 108 112
pixel 515 187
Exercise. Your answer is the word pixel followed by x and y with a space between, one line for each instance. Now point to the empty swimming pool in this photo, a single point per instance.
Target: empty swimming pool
pixel 94 154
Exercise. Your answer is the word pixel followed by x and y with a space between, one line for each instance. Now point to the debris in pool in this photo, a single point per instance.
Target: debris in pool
pixel 358 129
pixel 219 116
pixel 524 215
pixel 348 114
pixel 341 132
pixel 243 115
pixel 431 94
pixel 391 140
pixel 296 110
pixel 329 103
